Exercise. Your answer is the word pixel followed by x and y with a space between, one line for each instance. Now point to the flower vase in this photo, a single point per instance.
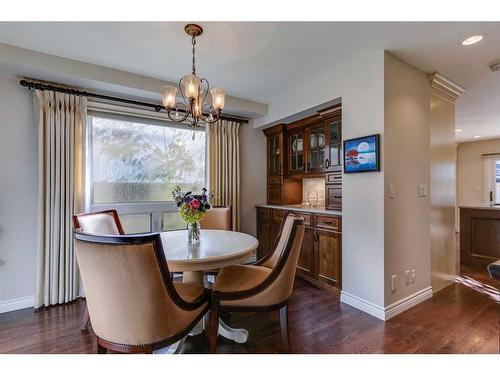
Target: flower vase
pixel 194 231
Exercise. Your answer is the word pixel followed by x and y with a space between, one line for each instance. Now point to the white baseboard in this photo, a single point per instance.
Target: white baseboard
pixel 363 305
pixel 386 313
pixel 16 304
pixel 404 304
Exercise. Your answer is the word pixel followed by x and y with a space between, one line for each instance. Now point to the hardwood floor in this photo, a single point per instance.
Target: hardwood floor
pixel 457 319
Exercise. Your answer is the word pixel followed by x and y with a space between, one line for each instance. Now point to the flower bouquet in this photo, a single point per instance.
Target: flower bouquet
pixel 192 208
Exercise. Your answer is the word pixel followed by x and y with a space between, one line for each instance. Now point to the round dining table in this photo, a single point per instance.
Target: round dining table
pixel 215 249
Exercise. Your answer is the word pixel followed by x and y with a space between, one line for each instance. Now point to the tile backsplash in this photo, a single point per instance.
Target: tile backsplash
pixel 317 184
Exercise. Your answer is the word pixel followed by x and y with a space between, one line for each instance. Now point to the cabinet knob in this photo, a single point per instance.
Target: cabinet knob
pixel 327 163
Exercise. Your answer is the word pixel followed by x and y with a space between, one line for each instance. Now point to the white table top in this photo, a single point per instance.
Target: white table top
pixel 216 248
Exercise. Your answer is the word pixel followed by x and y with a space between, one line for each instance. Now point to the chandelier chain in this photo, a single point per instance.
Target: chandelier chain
pixel 193 42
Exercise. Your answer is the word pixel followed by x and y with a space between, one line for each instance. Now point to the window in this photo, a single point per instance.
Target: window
pixel 134 164
pixel 492 178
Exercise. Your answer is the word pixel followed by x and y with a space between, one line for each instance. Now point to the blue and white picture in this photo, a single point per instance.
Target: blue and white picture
pixel 362 154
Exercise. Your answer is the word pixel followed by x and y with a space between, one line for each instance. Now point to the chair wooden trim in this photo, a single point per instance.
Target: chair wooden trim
pixel 77 226
pixel 217 296
pixel 155 239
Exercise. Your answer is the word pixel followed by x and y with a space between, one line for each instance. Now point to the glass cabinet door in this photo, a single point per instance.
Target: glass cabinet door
pixel 296 152
pixel 317 149
pixel 274 155
pixel 334 155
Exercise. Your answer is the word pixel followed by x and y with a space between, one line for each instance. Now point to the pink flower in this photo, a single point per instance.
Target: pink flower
pixel 194 204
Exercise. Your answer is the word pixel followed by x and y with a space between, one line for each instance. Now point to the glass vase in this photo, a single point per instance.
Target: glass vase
pixel 194 231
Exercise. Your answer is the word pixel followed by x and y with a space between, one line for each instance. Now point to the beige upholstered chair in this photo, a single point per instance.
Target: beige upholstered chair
pixel 102 222
pixel 218 217
pixel 133 303
pixel 265 285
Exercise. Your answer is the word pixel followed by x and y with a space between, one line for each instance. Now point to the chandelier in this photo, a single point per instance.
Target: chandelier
pixel 194 91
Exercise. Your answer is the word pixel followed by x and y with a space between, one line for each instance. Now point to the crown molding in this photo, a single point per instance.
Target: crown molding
pixel 445 88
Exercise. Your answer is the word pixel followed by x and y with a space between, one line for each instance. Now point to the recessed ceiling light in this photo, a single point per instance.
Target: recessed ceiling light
pixel 477 136
pixel 458 130
pixel 472 40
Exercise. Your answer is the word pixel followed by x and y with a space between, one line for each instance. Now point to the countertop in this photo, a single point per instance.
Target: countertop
pixel 302 208
pixel 483 207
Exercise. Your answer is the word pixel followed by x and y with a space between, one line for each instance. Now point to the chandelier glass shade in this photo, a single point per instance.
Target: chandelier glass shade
pixel 194 92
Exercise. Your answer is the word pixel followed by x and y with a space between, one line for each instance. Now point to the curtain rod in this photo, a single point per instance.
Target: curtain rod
pixel 157 107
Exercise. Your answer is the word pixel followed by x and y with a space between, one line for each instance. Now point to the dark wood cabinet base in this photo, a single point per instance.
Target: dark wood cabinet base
pixel 320 257
pixel 479 236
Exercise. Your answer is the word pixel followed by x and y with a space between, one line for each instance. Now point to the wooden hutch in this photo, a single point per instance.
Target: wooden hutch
pixel 308 148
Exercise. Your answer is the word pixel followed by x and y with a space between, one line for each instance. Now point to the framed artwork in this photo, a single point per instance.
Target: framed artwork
pixel 362 154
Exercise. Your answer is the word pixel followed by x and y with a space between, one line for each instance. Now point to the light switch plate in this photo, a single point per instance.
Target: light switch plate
pixel 392 191
pixel 422 190
pixel 393 283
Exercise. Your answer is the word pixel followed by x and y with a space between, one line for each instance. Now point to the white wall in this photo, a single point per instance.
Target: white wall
pixel 359 81
pixel 407 164
pixel 471 170
pixel 18 194
pixel 253 175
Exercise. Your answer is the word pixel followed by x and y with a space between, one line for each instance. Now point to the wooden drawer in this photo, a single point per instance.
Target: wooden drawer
pixel 274 180
pixel 328 222
pixel 305 215
pixel 333 197
pixel 278 214
pixel 333 178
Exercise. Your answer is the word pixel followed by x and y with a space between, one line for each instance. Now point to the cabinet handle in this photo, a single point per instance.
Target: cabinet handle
pixel 280 169
pixel 308 166
pixel 327 163
pixel 316 236
pixel 337 196
pixel 328 222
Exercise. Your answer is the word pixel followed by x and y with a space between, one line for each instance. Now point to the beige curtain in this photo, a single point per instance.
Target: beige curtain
pixel 61 135
pixel 224 166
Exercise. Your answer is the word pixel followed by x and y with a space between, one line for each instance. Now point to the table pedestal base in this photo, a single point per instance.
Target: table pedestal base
pixel 238 335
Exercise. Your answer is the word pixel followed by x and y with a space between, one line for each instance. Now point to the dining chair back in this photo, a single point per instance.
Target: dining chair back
pixel 102 222
pixel 132 301
pixel 265 285
pixel 218 217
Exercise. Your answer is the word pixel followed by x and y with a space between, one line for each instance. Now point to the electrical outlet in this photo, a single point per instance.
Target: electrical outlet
pixel 413 276
pixel 394 283
pixel 392 191
pixel 422 190
pixel 407 277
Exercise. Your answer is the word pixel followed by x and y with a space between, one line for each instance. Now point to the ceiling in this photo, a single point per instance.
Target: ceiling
pixel 257 61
